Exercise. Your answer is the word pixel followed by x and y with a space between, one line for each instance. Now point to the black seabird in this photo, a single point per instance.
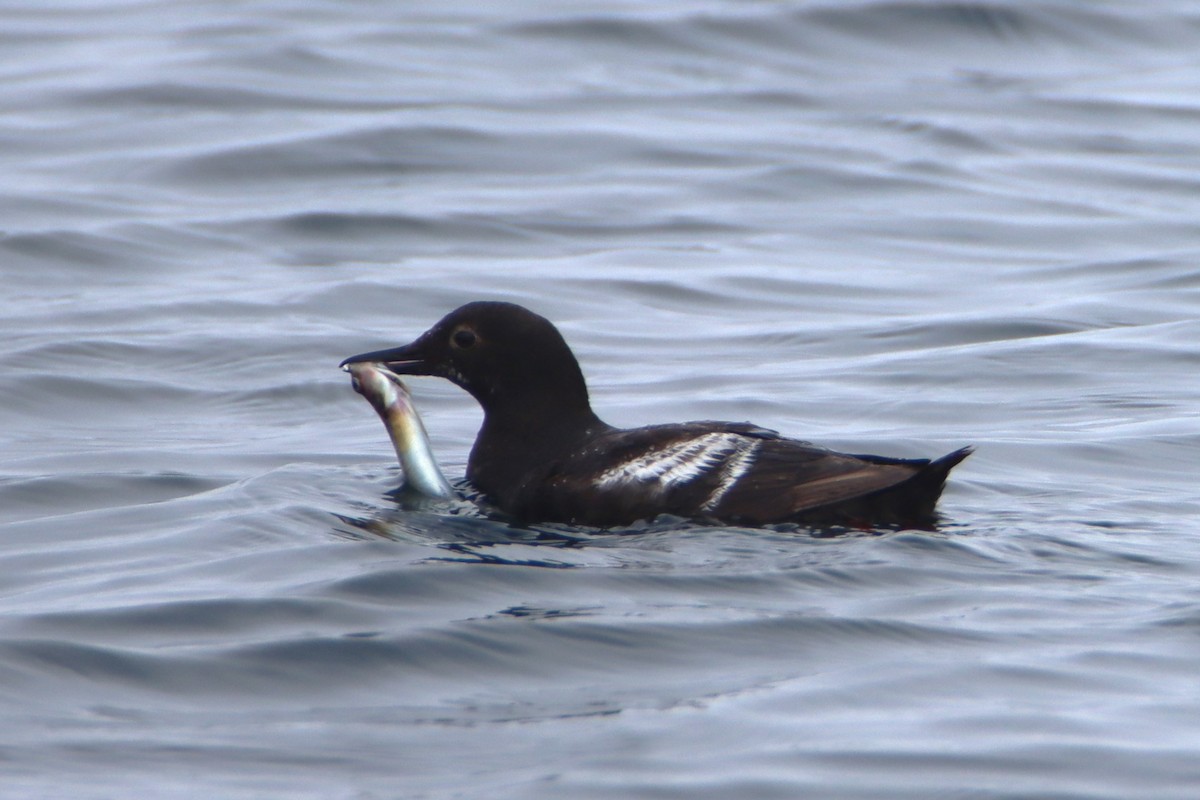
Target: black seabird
pixel 542 454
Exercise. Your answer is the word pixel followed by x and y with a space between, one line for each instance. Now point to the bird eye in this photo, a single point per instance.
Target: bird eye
pixel 463 338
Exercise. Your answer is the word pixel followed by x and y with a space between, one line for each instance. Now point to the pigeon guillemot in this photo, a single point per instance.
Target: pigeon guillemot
pixel 542 454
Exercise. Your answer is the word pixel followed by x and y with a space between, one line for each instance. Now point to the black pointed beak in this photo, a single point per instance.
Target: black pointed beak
pixel 404 360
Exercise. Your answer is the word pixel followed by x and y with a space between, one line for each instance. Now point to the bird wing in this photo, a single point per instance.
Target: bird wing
pixel 644 472
pixel 729 471
pixel 790 477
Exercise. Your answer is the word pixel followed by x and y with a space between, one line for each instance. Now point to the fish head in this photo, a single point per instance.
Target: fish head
pixel 382 388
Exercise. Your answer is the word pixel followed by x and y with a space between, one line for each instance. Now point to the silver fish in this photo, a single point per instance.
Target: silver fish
pixel 388 395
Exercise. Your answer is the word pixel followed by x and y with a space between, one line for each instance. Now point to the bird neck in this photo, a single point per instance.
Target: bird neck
pixel 535 419
pixel 516 441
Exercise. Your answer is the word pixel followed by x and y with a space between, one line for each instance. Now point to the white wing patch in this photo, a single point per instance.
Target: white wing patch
pixel 730 454
pixel 732 470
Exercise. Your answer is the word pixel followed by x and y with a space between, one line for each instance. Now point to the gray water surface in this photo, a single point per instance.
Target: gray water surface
pixel 891 227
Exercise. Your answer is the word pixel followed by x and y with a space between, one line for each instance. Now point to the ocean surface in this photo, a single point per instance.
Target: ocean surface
pixel 896 226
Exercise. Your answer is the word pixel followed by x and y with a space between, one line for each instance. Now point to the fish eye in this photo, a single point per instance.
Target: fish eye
pixel 463 338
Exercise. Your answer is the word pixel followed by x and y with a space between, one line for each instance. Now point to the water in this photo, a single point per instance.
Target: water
pixel 892 227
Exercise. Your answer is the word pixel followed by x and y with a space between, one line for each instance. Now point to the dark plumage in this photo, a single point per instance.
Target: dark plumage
pixel 543 455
